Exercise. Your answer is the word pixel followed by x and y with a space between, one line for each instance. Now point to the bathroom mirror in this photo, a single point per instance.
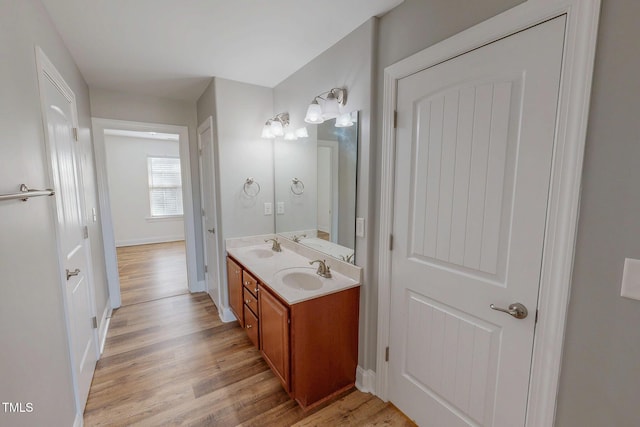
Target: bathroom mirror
pixel 315 188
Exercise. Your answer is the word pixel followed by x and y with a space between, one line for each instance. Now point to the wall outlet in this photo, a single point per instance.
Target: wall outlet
pixel 359 227
pixel 631 279
pixel 280 207
pixel 268 208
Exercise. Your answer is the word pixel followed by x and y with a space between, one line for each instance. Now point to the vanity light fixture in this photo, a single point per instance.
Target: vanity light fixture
pixel 278 126
pixel 330 109
pixel 344 120
pixel 275 126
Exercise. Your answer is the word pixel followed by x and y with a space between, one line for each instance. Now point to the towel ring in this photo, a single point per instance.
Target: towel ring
pixel 297 187
pixel 248 184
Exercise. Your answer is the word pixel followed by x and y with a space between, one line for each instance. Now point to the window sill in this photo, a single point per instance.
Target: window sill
pixel 164 218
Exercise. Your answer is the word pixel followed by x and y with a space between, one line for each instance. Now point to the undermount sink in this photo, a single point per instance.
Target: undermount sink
pixel 304 279
pixel 260 253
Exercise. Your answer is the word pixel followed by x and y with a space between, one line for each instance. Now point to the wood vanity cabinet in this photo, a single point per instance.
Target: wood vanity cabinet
pixel 234 275
pixel 311 346
pixel 274 335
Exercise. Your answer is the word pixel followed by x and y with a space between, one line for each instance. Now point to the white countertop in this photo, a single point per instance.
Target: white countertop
pixel 269 267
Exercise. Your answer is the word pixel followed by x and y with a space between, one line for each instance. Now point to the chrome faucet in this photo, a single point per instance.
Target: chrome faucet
pixel 298 238
pixel 276 245
pixel 323 269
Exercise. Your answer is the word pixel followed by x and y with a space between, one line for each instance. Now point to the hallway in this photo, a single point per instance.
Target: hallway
pixel 150 272
pixel 173 362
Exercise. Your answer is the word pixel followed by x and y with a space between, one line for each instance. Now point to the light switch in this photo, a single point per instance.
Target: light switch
pixel 359 227
pixel 631 279
pixel 280 208
pixel 268 208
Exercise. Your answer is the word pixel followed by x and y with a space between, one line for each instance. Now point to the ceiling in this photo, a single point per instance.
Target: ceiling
pixel 171 48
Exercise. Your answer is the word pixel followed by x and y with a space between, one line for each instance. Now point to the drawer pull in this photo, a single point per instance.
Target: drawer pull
pixel 249 326
pixel 256 290
pixel 247 301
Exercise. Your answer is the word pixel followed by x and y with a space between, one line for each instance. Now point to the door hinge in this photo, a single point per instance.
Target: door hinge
pixel 200 151
pixel 395 119
pixel 386 354
pixel 85 232
pixel 536 319
pixel 75 134
pixel 206 268
pixel 202 210
pixel 94 321
pixel 390 242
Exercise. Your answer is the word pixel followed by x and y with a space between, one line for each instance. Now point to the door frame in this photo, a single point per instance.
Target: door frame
pixel 46 70
pixel 334 146
pixel 564 196
pixel 108 235
pixel 224 312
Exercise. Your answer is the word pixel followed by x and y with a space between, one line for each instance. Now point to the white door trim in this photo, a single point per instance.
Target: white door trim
pixel 108 237
pixel 208 124
pixel 46 70
pixel 562 219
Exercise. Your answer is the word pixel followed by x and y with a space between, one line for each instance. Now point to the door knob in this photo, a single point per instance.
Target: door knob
pixel 211 230
pixel 70 274
pixel 516 310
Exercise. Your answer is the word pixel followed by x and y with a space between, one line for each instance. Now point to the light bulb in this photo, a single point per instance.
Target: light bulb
pixel 276 128
pixel 302 133
pixel 266 131
pixel 344 120
pixel 330 108
pixel 314 113
pixel 290 135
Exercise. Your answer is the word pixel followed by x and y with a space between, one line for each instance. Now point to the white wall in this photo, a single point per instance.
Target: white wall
pixel 34 355
pixel 242 110
pixel 296 159
pixel 129 190
pixel 347 64
pixel 106 104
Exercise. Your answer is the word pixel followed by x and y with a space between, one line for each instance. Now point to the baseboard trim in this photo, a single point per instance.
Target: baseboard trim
pixel 200 286
pixel 148 240
pixel 78 422
pixel 366 380
pixel 104 326
pixel 226 315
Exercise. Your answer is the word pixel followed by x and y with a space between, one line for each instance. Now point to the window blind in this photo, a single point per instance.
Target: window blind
pixel 165 186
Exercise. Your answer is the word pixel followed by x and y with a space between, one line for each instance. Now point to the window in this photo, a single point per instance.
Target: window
pixel 165 186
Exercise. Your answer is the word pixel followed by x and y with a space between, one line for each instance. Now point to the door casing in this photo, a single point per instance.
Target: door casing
pixel 46 70
pixel 108 237
pixel 563 207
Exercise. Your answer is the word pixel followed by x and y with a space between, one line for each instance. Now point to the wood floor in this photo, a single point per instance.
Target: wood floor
pixel 149 272
pixel 173 362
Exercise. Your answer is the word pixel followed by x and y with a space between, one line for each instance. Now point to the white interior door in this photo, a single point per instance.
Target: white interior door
pixel 473 160
pixel 209 210
pixel 73 244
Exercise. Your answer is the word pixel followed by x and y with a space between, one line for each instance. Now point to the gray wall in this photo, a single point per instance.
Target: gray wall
pixel 348 64
pixel 34 359
pixel 106 104
pixel 600 379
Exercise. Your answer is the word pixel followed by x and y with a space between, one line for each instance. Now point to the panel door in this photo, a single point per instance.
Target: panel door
pixel 72 244
pixel 473 161
pixel 209 211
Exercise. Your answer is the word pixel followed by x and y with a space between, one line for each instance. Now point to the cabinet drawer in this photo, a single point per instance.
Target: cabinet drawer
pixel 251 326
pixel 251 301
pixel 250 282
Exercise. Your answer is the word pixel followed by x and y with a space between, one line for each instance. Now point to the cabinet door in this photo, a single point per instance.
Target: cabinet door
pixel 234 274
pixel 274 334
pixel 251 326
